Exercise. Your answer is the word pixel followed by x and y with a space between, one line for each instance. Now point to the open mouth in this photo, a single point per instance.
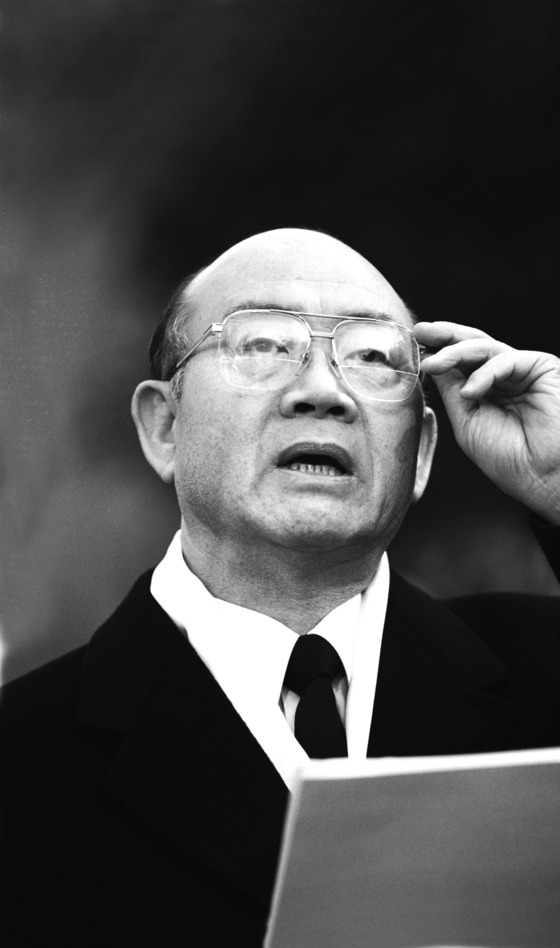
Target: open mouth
pixel 316 463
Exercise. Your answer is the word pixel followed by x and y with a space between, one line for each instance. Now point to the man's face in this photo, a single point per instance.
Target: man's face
pixel 236 467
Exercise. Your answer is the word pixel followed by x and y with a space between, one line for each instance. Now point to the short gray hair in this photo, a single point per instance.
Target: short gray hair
pixel 171 339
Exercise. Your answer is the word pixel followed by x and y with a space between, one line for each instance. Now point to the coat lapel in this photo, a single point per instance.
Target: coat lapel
pixel 438 690
pixel 186 763
pixel 188 766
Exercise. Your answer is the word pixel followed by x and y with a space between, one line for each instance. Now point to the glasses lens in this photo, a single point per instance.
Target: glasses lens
pixel 378 360
pixel 260 350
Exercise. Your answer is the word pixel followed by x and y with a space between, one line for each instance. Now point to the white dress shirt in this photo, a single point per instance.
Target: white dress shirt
pixel 248 652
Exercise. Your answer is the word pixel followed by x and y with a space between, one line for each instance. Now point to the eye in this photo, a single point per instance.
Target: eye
pixel 368 357
pixel 373 355
pixel 263 345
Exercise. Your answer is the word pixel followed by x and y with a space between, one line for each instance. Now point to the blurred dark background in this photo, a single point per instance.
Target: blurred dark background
pixel 142 137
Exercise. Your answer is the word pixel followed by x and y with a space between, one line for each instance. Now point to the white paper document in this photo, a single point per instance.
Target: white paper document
pixel 418 852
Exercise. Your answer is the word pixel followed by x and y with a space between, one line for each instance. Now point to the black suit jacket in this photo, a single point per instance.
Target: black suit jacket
pixel 139 810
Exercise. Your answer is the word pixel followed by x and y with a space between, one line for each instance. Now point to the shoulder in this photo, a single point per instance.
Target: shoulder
pixel 53 685
pixel 512 624
pixel 37 719
pixel 46 700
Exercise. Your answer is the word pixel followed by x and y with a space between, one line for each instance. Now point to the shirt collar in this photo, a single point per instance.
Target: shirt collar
pixel 248 652
pixel 181 594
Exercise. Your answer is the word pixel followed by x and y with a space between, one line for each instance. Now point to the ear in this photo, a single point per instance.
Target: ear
pixel 426 448
pixel 154 410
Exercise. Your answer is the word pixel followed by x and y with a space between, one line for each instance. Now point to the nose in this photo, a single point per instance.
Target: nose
pixel 316 389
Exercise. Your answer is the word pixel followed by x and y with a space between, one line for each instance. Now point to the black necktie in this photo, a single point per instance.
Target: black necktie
pixel 313 665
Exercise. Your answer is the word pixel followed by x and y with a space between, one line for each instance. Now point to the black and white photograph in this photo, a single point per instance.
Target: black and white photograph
pixel 280 474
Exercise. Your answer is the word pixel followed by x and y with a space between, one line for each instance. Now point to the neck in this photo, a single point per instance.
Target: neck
pixel 296 587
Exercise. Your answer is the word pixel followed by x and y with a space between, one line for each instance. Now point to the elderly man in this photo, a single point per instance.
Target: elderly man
pixel 146 774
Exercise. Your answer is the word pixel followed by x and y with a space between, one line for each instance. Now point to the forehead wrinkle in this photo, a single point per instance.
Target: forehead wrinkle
pixel 218 293
pixel 351 313
pixel 319 282
pixel 284 294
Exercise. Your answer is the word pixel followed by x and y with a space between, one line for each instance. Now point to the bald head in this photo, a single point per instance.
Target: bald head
pixel 288 268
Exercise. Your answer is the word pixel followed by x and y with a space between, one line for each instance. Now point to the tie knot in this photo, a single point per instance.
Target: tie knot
pixel 312 656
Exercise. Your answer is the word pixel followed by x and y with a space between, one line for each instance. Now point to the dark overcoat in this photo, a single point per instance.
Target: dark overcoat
pixel 138 809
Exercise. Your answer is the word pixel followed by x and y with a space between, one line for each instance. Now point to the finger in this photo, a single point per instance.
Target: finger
pixel 441 333
pixel 513 372
pixel 463 355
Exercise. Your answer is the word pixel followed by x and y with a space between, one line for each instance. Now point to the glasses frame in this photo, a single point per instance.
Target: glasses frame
pixel 215 329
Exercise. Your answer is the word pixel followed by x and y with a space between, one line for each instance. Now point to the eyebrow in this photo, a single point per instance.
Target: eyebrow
pixel 350 314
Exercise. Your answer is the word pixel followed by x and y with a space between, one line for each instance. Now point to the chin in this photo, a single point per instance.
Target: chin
pixel 321 536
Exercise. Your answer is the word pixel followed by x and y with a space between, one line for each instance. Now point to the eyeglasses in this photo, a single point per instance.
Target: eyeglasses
pixel 377 359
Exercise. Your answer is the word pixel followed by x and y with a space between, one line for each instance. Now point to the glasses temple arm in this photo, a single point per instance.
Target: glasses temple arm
pixel 213 329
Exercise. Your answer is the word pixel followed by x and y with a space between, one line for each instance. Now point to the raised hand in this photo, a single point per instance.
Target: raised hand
pixel 504 406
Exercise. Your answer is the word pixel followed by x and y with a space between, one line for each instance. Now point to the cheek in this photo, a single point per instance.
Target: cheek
pixel 214 436
pixel 202 451
pixel 394 448
pixel 202 474
pixel 406 448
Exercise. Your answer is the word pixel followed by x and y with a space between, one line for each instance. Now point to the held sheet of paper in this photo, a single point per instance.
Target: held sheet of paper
pixel 418 852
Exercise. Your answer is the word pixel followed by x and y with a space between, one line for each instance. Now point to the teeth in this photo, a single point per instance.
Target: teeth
pixel 325 469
